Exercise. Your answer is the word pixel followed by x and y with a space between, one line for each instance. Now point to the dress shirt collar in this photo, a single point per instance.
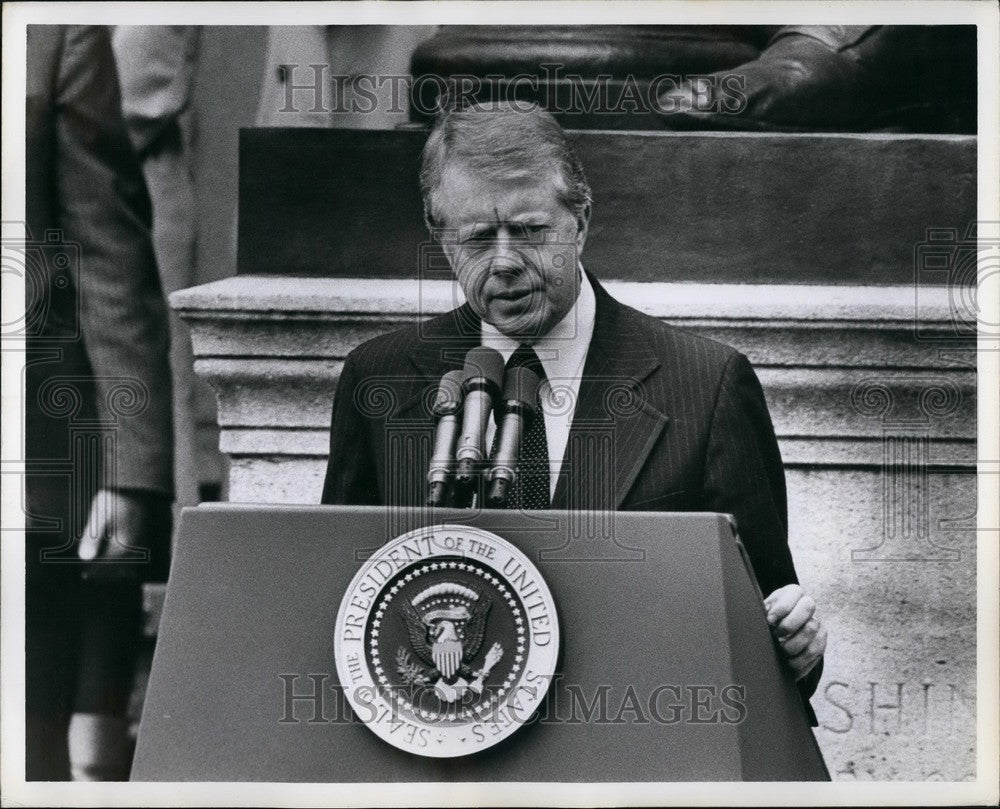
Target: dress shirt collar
pixel 564 349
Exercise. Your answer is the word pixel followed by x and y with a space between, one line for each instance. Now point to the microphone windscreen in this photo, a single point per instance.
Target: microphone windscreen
pixel 449 394
pixel 486 363
pixel 521 385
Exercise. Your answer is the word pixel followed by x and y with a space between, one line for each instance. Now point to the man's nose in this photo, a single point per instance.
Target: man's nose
pixel 507 256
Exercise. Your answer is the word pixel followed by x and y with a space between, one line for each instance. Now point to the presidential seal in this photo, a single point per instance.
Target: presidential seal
pixel 446 641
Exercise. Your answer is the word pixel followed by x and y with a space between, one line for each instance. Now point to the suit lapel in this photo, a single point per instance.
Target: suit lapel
pixel 441 346
pixel 615 424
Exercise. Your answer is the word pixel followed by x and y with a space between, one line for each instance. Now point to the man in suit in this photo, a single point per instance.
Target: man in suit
pixel 98 439
pixel 637 414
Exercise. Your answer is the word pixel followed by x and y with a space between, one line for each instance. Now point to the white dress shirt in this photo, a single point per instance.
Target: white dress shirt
pixel 563 352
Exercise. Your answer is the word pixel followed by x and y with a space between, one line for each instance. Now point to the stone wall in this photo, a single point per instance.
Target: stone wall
pixel 873 395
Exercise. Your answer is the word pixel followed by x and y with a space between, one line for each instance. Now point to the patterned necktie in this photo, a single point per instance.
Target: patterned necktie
pixel 531 486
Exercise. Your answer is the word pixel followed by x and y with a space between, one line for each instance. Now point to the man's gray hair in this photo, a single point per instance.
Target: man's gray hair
pixel 502 140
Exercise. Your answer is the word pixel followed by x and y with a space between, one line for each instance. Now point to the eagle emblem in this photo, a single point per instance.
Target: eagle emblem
pixel 446 625
pixel 450 632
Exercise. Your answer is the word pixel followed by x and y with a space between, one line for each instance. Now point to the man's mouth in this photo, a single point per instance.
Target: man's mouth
pixel 513 294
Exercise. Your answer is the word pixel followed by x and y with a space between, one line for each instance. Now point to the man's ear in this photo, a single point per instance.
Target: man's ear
pixel 445 245
pixel 582 227
pixel 432 226
pixel 436 234
pixel 449 254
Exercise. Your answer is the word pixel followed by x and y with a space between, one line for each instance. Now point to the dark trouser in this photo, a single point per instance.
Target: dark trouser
pixel 81 640
pixel 81 636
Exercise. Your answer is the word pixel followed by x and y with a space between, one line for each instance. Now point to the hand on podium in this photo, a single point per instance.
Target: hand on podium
pixel 791 614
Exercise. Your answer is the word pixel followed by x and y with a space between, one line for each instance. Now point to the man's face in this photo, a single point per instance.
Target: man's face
pixel 513 246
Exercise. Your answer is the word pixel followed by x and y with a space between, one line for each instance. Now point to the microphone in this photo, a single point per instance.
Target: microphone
pixel 517 407
pixel 481 383
pixel 446 407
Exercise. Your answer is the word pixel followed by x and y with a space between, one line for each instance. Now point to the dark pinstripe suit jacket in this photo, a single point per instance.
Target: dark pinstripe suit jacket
pixel 102 332
pixel 97 375
pixel 666 421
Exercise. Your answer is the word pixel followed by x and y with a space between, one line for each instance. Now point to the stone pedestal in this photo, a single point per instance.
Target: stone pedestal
pixel 806 78
pixel 588 76
pixel 830 360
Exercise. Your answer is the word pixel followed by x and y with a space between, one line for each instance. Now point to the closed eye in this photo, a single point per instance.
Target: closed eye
pixel 533 231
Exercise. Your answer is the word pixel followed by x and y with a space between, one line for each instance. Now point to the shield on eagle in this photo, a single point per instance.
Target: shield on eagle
pixel 446 624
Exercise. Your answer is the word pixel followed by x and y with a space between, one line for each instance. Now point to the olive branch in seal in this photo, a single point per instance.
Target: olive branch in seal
pixel 408 670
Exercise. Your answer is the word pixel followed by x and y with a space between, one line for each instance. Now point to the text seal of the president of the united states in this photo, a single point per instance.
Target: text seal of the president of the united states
pixel 447 640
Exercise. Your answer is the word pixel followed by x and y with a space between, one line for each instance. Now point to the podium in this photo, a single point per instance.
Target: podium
pixel 667 670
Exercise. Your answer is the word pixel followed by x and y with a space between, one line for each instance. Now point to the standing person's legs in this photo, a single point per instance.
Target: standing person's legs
pixel 110 632
pixel 50 649
pixel 59 402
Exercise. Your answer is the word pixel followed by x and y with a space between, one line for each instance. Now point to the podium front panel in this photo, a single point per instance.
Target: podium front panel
pixel 667 669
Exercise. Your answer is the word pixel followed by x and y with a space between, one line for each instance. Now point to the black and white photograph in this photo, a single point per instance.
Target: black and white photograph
pixel 488 403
